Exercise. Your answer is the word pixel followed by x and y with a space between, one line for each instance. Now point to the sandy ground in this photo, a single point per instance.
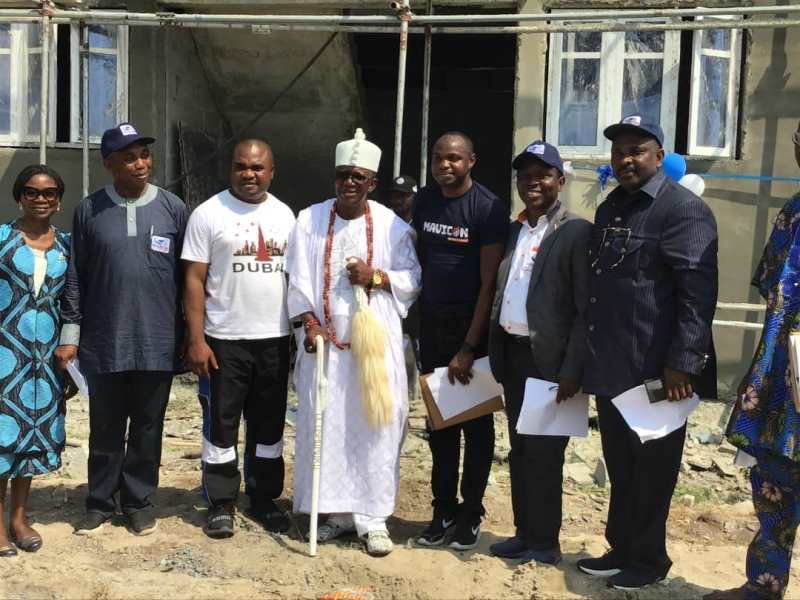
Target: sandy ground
pixel 709 528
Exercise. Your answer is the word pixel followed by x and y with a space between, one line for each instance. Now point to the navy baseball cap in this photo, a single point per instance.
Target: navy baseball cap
pixel 120 137
pixel 542 151
pixel 635 124
pixel 405 184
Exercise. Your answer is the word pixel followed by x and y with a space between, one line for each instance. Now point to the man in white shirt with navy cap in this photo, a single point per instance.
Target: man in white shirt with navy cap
pixel 338 244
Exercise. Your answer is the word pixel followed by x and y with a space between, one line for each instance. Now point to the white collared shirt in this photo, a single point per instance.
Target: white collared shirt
pixel 513 313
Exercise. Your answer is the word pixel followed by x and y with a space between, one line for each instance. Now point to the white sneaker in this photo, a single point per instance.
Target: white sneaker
pixel 333 528
pixel 378 542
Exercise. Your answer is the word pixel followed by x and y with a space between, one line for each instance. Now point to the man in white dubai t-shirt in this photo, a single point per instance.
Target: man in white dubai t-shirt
pixel 238 337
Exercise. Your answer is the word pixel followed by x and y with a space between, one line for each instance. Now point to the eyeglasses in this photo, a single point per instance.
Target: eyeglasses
pixel 30 194
pixel 612 236
pixel 354 175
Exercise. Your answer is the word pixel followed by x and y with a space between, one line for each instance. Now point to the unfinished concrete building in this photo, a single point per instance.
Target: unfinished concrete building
pixel 728 100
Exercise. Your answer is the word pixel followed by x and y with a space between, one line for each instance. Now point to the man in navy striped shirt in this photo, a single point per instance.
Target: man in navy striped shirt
pixel 652 295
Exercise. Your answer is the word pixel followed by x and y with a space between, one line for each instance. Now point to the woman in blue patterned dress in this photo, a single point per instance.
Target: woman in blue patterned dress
pixel 765 423
pixel 33 261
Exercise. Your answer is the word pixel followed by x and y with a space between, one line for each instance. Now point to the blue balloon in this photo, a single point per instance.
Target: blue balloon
pixel 674 166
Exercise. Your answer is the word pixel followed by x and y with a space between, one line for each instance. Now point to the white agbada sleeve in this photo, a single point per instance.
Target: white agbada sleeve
pixel 300 294
pixel 406 274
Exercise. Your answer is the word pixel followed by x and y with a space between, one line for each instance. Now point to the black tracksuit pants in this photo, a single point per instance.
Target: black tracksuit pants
pixel 643 478
pixel 440 340
pixel 132 402
pixel 536 462
pixel 252 381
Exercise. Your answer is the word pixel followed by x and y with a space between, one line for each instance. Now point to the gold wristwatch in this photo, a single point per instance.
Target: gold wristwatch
pixel 377 279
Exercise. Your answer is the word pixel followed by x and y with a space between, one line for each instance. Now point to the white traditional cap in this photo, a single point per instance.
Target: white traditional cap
pixel 358 152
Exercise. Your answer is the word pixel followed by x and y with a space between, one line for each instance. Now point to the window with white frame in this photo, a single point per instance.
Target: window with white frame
pixel 21 83
pixel 714 92
pixel 108 79
pixel 597 78
pixel 21 89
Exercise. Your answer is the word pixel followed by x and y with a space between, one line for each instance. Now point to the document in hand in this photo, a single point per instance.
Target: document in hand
pixel 540 415
pixel 450 404
pixel 74 370
pixel 653 420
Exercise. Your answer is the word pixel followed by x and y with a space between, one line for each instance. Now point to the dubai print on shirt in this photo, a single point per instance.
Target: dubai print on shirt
pixel 259 250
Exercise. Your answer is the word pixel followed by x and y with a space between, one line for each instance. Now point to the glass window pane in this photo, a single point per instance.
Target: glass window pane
pixel 580 80
pixel 644 41
pixel 102 36
pixel 5 35
pixel 34 35
pixel 641 88
pixel 34 92
pixel 713 101
pixel 585 41
pixel 102 93
pixel 717 39
pixel 5 94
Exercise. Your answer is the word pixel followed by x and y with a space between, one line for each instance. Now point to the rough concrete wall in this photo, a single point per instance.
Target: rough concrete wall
pixel 744 210
pixel 189 98
pixel 247 71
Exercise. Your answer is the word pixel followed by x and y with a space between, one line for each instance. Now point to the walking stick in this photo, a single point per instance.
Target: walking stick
pixel 319 405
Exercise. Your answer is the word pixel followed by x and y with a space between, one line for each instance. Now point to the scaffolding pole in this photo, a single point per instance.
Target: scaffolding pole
pixel 44 103
pixel 426 102
pixel 404 14
pixel 85 109
pixel 188 19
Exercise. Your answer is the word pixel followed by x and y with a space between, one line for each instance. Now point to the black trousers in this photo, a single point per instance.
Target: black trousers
pixel 440 340
pixel 132 401
pixel 535 462
pixel 252 379
pixel 643 478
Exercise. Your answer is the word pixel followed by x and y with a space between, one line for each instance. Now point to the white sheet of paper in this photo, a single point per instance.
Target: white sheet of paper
pixel 540 415
pixel 74 369
pixel 652 421
pixel 455 399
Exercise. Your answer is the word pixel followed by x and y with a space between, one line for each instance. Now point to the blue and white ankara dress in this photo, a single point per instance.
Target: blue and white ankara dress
pixel 31 416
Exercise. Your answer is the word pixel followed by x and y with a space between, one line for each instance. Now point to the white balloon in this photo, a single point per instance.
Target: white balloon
pixel 694 183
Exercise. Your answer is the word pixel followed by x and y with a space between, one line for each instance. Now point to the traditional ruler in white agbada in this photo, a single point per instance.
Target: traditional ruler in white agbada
pixel 360 464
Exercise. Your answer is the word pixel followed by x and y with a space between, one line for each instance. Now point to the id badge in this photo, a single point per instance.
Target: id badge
pixel 159 244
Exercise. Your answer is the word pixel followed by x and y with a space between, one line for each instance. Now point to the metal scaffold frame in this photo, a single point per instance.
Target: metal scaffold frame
pixel 403 23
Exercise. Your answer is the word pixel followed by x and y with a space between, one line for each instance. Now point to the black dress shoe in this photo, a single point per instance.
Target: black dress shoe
pixel 513 547
pixel 607 565
pixel 7 551
pixel 633 579
pixel 552 556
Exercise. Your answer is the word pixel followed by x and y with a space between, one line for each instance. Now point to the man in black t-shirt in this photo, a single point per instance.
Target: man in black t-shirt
pixel 462 229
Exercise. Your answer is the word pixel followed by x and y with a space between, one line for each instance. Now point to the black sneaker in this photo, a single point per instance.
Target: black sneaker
pixel 467 534
pixel 91 523
pixel 271 517
pixel 438 529
pixel 607 565
pixel 219 522
pixel 633 579
pixel 142 522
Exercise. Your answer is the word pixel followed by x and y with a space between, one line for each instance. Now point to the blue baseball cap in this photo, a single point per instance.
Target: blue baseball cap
pixel 120 137
pixel 543 152
pixel 635 124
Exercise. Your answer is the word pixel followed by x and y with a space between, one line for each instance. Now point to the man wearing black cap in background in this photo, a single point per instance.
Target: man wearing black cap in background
pixel 652 296
pixel 401 200
pixel 122 319
pixel 537 329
